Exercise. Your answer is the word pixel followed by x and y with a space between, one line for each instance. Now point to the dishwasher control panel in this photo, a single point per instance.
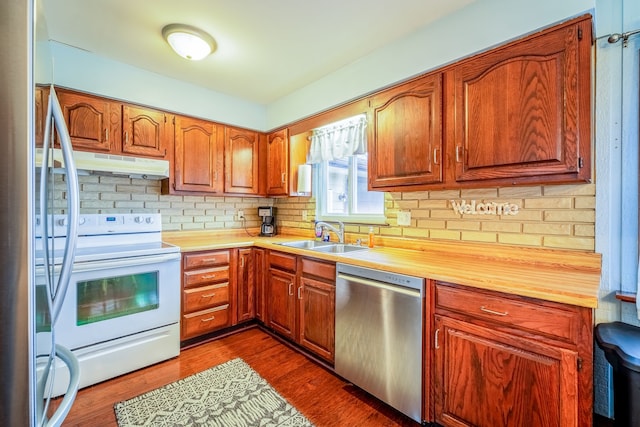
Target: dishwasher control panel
pixel 381 276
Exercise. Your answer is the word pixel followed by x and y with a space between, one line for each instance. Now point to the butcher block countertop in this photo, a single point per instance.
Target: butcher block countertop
pixel 571 277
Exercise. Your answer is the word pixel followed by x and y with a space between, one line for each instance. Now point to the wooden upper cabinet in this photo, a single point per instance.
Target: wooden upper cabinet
pixel 405 134
pixel 146 132
pixel 41 104
pixel 198 157
pixel 277 163
pixel 94 123
pixel 523 111
pixel 241 161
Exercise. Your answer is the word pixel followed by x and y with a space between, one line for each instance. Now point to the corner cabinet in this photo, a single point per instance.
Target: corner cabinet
pixel 505 360
pixel 245 284
pixel 277 163
pixel 405 135
pixel 521 113
pixel 198 156
pixel 241 151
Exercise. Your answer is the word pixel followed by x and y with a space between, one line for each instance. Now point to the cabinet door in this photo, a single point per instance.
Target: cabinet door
pixel 246 286
pixel 241 161
pixel 317 316
pixel 484 378
pixel 198 155
pixel 146 132
pixel 278 163
pixel 405 136
pixel 281 302
pixel 523 110
pixel 94 123
pixel 260 274
pixel 41 104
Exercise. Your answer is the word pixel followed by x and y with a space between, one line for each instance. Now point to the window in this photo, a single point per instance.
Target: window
pixel 338 154
pixel 341 192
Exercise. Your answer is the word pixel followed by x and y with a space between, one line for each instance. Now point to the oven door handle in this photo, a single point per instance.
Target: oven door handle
pixel 125 262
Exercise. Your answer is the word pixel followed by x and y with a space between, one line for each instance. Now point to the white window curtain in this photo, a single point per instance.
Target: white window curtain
pixel 339 140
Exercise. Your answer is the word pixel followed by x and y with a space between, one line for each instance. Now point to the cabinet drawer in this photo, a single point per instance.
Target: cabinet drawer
pixel 205 259
pixel 314 267
pixel 204 297
pixel 206 275
pixel 201 322
pixel 282 261
pixel 544 318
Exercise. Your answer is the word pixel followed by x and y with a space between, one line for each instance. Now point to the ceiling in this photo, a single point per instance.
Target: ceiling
pixel 267 49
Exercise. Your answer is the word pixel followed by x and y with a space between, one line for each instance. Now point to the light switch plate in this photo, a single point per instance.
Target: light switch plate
pixel 404 218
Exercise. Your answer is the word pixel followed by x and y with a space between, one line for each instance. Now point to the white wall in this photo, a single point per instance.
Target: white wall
pixel 477 27
pixel 85 71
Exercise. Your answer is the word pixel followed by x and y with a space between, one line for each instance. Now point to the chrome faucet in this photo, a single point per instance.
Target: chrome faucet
pixel 339 231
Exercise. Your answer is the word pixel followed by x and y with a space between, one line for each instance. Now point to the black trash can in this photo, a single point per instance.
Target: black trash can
pixel 621 345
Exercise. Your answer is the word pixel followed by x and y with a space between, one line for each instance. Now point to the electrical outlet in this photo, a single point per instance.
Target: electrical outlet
pixel 404 218
pixel 241 215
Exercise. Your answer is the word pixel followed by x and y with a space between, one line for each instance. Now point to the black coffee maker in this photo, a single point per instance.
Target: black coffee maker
pixel 268 214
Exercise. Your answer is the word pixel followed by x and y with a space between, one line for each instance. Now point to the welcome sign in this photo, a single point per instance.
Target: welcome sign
pixel 484 208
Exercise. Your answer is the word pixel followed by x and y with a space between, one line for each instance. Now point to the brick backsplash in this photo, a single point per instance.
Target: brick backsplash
pixel 109 194
pixel 558 216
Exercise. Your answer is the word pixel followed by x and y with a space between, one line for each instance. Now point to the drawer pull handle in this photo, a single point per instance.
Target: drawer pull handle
pixel 208 319
pixel 290 288
pixel 497 313
pixel 458 156
pixel 208 296
pixel 299 292
pixel 209 260
pixel 209 276
pixel 435 156
pixel 435 339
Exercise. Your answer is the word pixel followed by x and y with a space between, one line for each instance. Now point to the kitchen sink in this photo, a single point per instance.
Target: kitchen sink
pixel 327 247
pixel 307 244
pixel 339 248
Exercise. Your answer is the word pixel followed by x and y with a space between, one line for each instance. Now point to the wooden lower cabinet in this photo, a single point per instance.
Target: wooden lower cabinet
pixel 300 296
pixel 245 284
pixel 510 361
pixel 281 287
pixel 317 307
pixel 207 292
pixel 260 276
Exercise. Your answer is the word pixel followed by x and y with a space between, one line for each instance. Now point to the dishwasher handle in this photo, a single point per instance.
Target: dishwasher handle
pixel 380 285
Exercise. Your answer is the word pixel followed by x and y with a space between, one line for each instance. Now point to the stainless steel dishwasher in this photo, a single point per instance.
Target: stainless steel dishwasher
pixel 379 335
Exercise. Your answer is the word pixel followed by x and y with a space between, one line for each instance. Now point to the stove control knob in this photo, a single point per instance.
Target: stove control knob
pixel 139 219
pixel 62 222
pixel 81 221
pixel 149 220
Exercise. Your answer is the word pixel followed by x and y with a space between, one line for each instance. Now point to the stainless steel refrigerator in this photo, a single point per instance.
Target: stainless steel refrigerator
pixel 23 384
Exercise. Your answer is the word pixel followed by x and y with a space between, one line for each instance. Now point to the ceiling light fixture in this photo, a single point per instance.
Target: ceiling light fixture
pixel 189 42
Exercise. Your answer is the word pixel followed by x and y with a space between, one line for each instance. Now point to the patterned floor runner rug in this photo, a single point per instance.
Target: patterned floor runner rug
pixel 228 395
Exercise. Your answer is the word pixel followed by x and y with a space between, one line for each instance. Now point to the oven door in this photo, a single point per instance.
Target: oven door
pixel 115 298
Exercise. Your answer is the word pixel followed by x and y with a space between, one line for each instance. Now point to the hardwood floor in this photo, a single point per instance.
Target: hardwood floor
pixel 325 399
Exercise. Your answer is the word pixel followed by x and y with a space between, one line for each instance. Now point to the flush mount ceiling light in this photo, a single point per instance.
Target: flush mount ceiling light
pixel 189 42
